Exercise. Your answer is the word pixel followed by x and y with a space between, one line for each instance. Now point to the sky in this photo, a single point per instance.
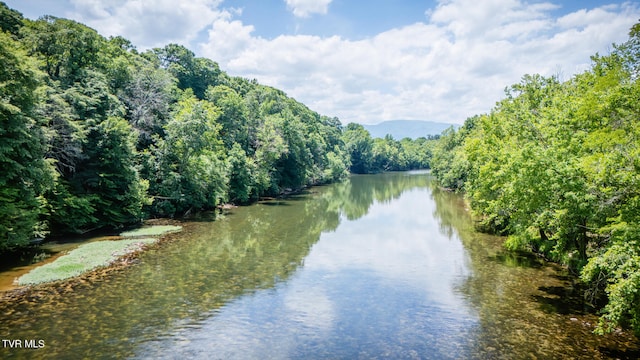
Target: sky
pixel 374 60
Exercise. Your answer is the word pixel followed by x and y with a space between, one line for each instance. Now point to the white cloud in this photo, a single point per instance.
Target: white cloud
pixel 454 65
pixel 148 23
pixel 304 8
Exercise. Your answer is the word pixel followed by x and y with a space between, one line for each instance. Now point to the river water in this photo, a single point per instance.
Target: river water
pixel 379 266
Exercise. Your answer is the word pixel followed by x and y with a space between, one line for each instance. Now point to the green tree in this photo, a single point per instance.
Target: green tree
pixel 148 97
pixel 10 20
pixel 192 73
pixel 359 146
pixel 449 162
pixel 242 184
pixel 233 117
pixel 270 148
pixel 555 165
pixel 337 165
pixel 66 47
pixel 107 181
pixel 612 165
pixel 295 166
pixel 64 133
pixel 22 145
pixel 191 173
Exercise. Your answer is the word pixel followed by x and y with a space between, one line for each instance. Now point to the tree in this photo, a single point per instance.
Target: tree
pixel 64 133
pixel 106 182
pixel 10 20
pixel 611 162
pixel 192 73
pixel 270 148
pixel 555 166
pixel 233 117
pixel 294 167
pixel 201 137
pixel 359 146
pixel 24 172
pixel 337 165
pixel 449 162
pixel 191 170
pixel 66 47
pixel 242 184
pixel 147 98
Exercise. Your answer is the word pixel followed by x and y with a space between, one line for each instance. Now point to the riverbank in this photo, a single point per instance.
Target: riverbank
pixel 118 258
pixel 89 262
pixel 382 264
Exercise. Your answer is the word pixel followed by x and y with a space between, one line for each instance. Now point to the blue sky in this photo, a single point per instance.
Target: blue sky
pixel 369 61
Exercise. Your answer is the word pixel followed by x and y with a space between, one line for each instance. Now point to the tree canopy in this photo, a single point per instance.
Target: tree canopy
pixel 556 167
pixel 96 135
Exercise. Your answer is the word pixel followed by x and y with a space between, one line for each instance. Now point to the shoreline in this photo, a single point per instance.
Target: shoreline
pixel 35 292
pixel 15 292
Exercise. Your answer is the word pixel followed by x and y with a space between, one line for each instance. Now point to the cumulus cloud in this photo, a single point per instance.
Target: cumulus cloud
pixel 447 68
pixel 304 8
pixel 450 66
pixel 148 23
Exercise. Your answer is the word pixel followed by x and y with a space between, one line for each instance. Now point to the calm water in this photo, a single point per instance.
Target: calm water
pixel 383 266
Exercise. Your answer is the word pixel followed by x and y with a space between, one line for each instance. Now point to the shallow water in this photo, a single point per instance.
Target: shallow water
pixel 381 266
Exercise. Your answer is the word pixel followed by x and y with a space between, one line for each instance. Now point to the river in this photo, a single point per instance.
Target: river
pixel 379 266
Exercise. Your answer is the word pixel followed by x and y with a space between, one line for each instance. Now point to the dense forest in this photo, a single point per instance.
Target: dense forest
pixel 95 134
pixel 555 166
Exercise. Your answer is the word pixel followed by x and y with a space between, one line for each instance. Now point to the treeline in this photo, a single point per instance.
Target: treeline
pixel 95 134
pixel 369 155
pixel 556 166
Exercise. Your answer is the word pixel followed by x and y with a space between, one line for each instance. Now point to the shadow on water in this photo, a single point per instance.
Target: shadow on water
pixel 275 203
pixel 519 306
pixel 527 308
pixel 518 259
pixel 564 300
pixel 567 298
pixel 22 258
pixel 205 267
pixel 633 354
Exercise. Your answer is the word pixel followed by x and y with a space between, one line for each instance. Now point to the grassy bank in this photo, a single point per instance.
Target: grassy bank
pixel 156 230
pixel 93 255
pixel 82 259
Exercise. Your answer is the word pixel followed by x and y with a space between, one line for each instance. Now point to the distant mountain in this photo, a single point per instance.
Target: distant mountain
pixel 401 129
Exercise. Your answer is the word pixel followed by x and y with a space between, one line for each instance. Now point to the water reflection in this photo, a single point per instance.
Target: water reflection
pixel 380 266
pixel 382 284
pixel 526 308
pixel 175 287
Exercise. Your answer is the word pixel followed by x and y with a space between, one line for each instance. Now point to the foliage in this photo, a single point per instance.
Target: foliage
pixel 191 170
pixel 242 182
pixel 369 155
pixel 191 72
pixel 65 47
pixel 359 146
pixel 233 117
pixel 97 135
pixel 556 166
pixel 10 20
pixel 449 162
pixel 22 144
pixel 148 96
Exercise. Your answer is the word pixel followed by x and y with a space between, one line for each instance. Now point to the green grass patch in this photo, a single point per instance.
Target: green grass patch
pixel 84 258
pixel 152 231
